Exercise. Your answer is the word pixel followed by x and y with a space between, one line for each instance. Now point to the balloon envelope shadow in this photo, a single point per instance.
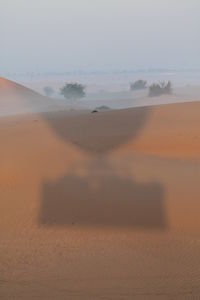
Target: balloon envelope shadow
pixel 98 133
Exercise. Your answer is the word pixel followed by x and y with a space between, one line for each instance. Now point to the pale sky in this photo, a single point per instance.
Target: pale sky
pixel 62 35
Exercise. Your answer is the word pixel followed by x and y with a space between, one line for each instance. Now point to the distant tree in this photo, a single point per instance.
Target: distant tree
pixel 158 89
pixel 168 88
pixel 73 91
pixel 138 85
pixel 49 91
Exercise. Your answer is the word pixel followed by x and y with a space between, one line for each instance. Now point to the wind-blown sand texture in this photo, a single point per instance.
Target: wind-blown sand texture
pixel 100 206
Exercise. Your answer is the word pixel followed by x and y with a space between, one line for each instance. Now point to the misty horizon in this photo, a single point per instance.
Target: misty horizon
pixel 106 36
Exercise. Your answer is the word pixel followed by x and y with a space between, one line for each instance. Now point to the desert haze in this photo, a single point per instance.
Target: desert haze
pixel 98 206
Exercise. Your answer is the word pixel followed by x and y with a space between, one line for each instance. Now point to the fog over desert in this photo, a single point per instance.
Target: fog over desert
pixel 100 150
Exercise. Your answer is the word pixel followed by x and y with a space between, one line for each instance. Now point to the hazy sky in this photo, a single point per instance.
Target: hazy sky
pixel 61 35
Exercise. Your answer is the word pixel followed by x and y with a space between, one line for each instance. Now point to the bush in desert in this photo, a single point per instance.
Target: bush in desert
pixel 73 91
pixel 102 107
pixel 138 85
pixel 48 91
pixel 158 89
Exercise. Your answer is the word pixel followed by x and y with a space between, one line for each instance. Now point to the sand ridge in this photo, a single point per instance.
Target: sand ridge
pixel 17 99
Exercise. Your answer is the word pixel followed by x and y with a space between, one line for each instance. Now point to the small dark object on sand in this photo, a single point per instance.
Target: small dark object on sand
pixel 94 111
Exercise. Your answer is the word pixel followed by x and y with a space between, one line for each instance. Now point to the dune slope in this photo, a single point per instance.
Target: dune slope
pixel 17 99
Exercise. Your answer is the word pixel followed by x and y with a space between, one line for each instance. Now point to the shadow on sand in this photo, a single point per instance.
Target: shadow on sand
pixel 101 199
pixel 113 201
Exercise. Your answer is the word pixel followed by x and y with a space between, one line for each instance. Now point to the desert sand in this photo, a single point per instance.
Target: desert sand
pixel 100 206
pixel 16 99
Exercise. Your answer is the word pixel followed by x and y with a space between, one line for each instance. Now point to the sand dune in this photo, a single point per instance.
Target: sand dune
pixel 17 99
pixel 101 206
